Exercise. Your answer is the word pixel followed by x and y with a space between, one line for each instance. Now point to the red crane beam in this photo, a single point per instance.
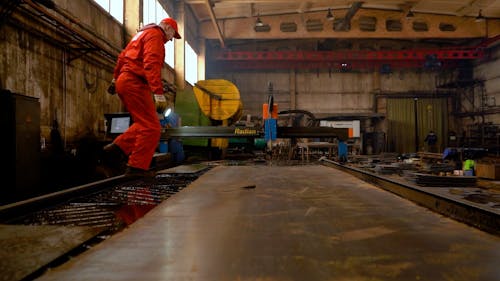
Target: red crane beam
pixel 334 66
pixel 345 60
pixel 333 56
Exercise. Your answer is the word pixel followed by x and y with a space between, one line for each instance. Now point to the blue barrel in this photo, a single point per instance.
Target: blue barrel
pixel 176 149
pixel 163 147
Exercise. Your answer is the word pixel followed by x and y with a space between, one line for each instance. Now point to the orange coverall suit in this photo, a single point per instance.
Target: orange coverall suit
pixel 138 74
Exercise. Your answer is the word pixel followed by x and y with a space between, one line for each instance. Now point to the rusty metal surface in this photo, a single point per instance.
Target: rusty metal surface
pixel 298 223
pixel 24 248
pixel 184 169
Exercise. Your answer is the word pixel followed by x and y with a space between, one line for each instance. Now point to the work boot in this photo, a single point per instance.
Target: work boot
pixel 113 154
pixel 114 158
pixel 137 173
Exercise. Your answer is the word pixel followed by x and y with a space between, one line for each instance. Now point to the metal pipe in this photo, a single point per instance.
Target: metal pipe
pixel 415 109
pixel 108 48
pixel 65 91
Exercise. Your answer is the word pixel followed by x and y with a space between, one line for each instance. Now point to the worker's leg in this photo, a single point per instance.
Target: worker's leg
pixel 141 139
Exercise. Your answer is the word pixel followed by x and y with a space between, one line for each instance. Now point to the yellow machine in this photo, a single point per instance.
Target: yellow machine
pixel 219 100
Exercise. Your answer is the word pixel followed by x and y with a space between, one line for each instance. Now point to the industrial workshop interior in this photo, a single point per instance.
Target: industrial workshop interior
pixel 301 140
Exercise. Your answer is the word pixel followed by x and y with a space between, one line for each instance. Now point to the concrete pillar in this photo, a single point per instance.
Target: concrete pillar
pixel 293 89
pixel 376 80
pixel 202 59
pixel 376 88
pixel 132 16
pixel 179 47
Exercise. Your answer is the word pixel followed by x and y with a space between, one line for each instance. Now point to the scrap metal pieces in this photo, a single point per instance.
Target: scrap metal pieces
pixel 444 181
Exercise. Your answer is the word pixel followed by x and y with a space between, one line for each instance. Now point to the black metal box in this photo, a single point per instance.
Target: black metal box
pixel 20 120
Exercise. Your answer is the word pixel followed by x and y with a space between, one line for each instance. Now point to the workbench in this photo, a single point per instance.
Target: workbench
pixel 305 148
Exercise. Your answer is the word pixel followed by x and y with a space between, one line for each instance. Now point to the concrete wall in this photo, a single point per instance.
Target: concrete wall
pixel 71 89
pixel 481 128
pixel 38 60
pixel 489 71
pixel 323 93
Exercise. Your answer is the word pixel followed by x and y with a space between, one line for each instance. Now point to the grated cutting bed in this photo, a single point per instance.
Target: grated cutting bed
pixel 108 208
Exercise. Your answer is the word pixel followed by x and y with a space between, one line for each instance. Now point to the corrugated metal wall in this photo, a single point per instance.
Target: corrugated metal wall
pixel 431 114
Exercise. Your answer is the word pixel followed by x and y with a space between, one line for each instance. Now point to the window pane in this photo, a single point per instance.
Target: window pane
pixel 117 10
pixel 191 65
pixel 160 13
pixel 169 53
pixel 149 12
pixel 103 3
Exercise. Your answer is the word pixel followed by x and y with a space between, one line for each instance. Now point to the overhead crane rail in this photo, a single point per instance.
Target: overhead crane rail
pixel 458 53
pixel 345 60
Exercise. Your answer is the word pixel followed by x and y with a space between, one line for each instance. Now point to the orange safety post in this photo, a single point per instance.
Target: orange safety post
pixel 265 111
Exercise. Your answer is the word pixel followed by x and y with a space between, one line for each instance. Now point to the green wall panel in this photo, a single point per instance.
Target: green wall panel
pixel 187 108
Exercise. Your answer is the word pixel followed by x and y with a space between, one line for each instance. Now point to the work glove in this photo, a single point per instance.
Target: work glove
pixel 160 103
pixel 112 87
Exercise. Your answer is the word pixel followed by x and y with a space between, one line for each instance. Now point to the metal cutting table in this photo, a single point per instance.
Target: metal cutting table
pixel 307 222
pixel 305 148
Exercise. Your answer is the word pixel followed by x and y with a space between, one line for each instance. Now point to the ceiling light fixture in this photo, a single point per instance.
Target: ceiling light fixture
pixel 259 22
pixel 329 15
pixel 410 14
pixel 480 17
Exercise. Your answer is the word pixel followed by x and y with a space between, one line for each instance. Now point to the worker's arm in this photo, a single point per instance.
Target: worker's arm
pixel 153 59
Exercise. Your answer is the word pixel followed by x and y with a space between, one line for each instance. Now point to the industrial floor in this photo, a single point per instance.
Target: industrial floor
pixel 285 223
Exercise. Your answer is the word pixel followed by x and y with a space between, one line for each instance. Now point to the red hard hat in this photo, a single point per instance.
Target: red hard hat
pixel 173 24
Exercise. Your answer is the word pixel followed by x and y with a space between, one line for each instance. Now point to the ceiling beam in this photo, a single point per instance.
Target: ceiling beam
pixel 304 6
pixel 346 22
pixel 238 1
pixel 214 23
pixel 466 27
pixel 473 6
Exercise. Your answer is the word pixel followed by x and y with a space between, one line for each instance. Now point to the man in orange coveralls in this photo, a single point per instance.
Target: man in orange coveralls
pixel 137 75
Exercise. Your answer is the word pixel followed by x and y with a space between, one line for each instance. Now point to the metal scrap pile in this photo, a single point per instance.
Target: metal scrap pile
pixel 444 181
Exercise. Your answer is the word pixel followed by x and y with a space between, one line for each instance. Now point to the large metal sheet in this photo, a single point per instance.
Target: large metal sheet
pixel 184 169
pixel 298 223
